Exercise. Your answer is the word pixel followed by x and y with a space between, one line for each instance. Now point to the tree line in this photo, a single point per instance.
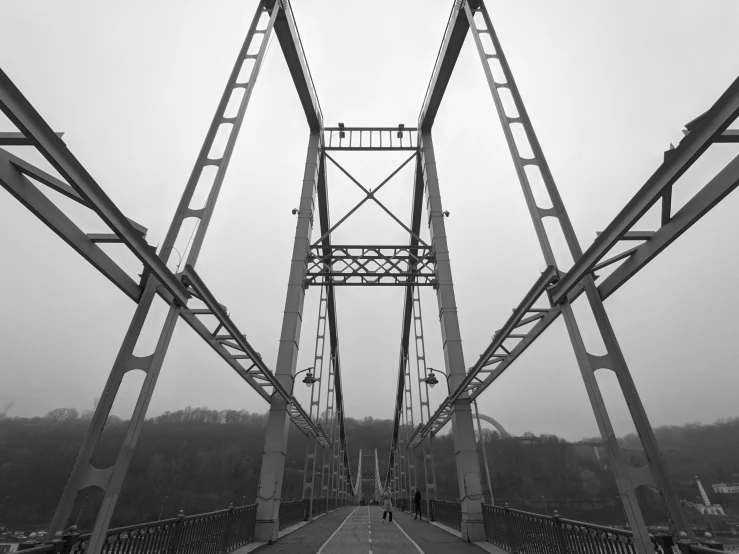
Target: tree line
pixel 199 460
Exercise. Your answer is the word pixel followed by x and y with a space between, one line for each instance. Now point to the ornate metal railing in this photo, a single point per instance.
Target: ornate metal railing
pixel 210 533
pixel 332 504
pixel 320 506
pixel 448 513
pixel 529 533
pixel 292 512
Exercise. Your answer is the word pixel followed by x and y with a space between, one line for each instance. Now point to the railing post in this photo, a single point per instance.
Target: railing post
pixel 174 543
pixel 228 519
pixel 559 531
pixel 683 542
pixel 63 544
pixel 509 533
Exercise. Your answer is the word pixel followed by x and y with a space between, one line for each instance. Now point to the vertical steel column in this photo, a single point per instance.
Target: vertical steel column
pixel 484 453
pixel 402 476
pixel 335 466
pixel 110 479
pixel 628 478
pixel 275 442
pixel 396 475
pixel 326 472
pixel 359 490
pixel 408 406
pixel 465 446
pixel 378 479
pixel 427 445
pixel 342 476
pixel 311 445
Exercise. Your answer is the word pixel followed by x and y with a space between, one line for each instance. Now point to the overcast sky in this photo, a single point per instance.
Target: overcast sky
pixel 608 86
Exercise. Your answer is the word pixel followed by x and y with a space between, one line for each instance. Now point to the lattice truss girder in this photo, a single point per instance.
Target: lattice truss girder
pixel 371 265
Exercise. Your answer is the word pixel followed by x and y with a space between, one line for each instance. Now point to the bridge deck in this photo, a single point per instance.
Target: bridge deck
pixel 361 531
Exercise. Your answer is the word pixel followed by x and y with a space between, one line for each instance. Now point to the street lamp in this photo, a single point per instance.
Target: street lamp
pixel 546 506
pixel 161 510
pixel 309 379
pixel 243 499
pixel 431 379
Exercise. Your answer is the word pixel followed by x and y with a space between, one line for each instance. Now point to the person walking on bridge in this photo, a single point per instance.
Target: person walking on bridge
pixel 387 506
pixel 417 502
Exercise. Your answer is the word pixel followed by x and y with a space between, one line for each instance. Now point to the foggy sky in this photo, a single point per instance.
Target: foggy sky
pixel 608 86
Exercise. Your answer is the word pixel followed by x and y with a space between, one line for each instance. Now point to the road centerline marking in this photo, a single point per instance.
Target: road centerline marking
pixel 337 530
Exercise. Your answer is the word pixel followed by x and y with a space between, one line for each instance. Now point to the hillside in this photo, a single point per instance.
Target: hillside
pixel 201 460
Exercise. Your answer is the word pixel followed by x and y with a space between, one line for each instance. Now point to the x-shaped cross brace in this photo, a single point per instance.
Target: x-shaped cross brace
pixel 370 196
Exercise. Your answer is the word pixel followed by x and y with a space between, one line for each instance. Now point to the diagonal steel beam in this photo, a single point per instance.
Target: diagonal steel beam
pixel 702 202
pixel 451 46
pixel 28 194
pixel 292 48
pixel 191 278
pixel 707 130
pixel 537 290
pixel 24 116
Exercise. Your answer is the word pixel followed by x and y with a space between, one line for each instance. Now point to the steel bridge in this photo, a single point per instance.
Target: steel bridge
pixel 329 488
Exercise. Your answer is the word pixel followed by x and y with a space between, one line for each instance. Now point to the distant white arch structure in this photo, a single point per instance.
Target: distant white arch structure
pixel 503 433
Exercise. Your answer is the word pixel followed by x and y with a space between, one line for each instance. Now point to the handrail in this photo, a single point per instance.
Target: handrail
pixel 217 531
pixel 530 533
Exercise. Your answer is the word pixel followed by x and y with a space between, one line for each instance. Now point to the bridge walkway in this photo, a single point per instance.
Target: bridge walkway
pixel 360 531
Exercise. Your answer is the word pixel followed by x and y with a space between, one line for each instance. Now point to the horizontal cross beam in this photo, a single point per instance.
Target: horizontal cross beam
pixel 370 138
pixel 370 266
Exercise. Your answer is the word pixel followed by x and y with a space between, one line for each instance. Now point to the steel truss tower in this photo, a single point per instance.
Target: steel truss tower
pixel 320 262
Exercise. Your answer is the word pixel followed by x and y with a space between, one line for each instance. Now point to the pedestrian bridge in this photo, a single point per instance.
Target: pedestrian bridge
pixel 339 527
pixel 328 517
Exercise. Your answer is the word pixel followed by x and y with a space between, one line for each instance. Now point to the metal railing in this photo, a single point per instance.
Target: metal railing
pixel 210 533
pixel 292 512
pixel 448 513
pixel 320 506
pixel 529 533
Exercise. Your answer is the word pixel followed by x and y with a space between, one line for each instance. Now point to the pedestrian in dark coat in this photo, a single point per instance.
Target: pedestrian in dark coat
pixel 417 502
